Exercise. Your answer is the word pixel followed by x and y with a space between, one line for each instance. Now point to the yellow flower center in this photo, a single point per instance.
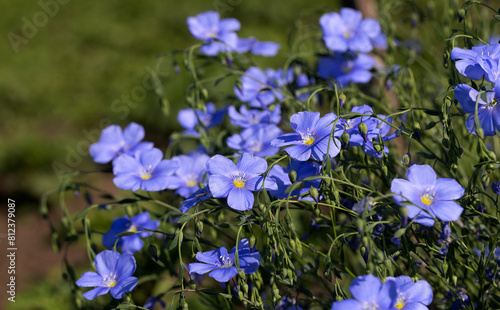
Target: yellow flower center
pixel 426 199
pixel 110 281
pixel 347 35
pixel 191 183
pixel 239 182
pixel 146 176
pixel 308 140
pixel 400 304
pixel 132 228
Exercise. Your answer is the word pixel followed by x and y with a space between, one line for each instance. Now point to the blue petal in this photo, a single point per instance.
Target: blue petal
pixel 123 286
pixel 420 292
pixel 90 295
pixel 365 288
pixel 448 189
pixel 133 134
pixel 212 257
pixel 251 165
pixel 286 139
pixel 125 267
pixel 229 24
pixel 187 118
pixel 89 279
pixel 447 211
pixel 302 122
pixel 125 164
pixel 347 304
pixel 224 274
pixel 320 148
pixel 299 152
pixel 388 295
pixel 422 175
pixel 105 262
pixel 127 182
pixel 131 244
pixel 466 96
pixel 166 167
pixel 220 185
pixel 240 199
pixel 200 268
pixel 219 164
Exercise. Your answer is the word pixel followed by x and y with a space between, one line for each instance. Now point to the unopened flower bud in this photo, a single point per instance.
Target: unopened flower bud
pixel 292 175
pixel 345 139
pixel 314 193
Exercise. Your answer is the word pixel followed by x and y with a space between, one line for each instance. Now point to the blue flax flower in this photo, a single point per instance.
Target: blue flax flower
pixel 237 182
pixel 495 187
pixel 248 118
pixel 257 47
pixel 113 143
pixel 146 171
pixel 311 138
pixel 369 293
pixel 346 68
pixel 256 140
pixel 348 30
pixel 375 128
pixel 189 174
pixel 412 295
pixel 428 195
pixel 152 301
pixel 139 224
pixel 114 274
pixel 303 169
pixel 197 197
pixel 217 35
pixel 488 112
pixel 478 62
pixel 221 264
pixel 211 117
pixel 259 88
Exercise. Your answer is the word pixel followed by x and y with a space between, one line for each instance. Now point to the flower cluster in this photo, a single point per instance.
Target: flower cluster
pixel 219 36
pixel 476 63
pixel 395 293
pixel 350 37
pixel 291 183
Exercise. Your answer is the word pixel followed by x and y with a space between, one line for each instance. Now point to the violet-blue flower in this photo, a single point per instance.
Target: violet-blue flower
pixel 197 197
pixel 146 171
pixel 189 174
pixel 311 138
pixel 221 264
pixel 113 143
pixel 303 169
pixel 346 68
pixel 114 274
pixel 211 117
pixel 247 118
pixel 259 88
pixel 427 195
pixel 237 182
pixel 369 293
pixel 412 295
pixel 217 35
pixel 256 140
pixel 488 112
pixel 495 187
pixel 139 224
pixel 478 62
pixel 257 47
pixel 347 30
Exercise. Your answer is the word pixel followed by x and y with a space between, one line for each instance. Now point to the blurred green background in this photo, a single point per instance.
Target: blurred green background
pixel 64 76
